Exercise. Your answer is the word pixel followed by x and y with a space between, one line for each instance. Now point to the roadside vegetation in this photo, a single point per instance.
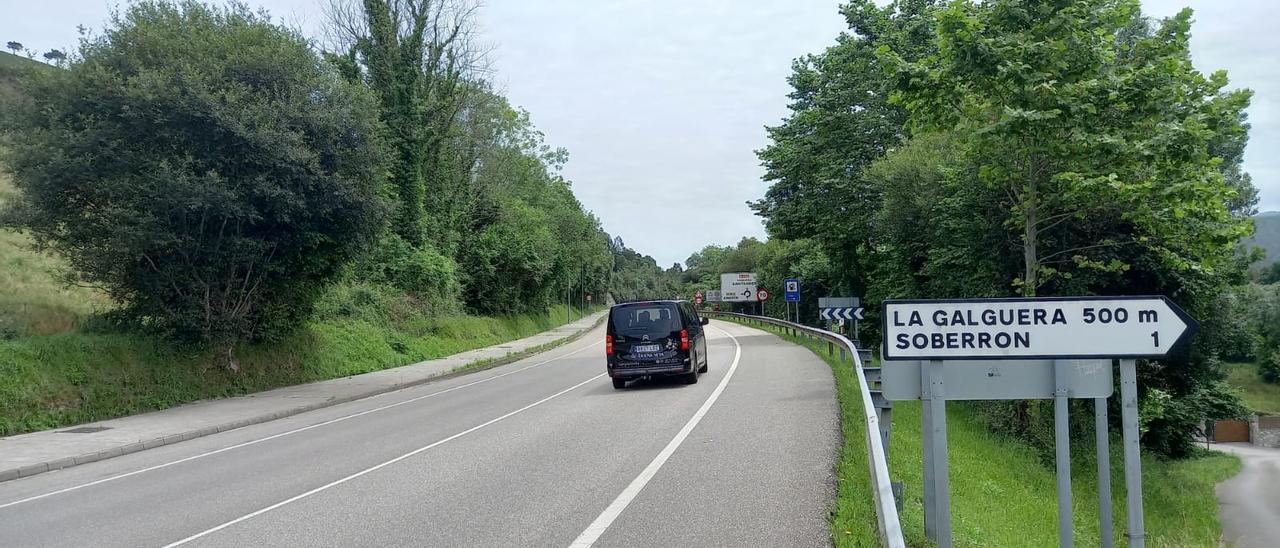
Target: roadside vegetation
pixel 1250 341
pixel 62 362
pixel 1258 394
pixel 1014 502
pixel 199 202
pixel 948 149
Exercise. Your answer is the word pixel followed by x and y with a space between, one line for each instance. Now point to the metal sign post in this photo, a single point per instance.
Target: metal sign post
pixel 1035 348
pixel 1132 455
pixel 1102 435
pixel 1062 444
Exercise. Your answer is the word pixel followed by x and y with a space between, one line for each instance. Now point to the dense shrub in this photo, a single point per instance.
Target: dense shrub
pixel 1269 367
pixel 421 271
pixel 202 165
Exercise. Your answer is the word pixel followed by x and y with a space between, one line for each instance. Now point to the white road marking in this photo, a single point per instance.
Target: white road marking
pixel 291 432
pixel 378 466
pixel 611 513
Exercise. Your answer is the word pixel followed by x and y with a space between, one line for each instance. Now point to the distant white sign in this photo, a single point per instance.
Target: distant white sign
pixel 738 287
pixel 713 295
pixel 1051 327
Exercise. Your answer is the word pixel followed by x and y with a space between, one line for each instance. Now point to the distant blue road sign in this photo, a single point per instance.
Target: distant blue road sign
pixel 842 313
pixel 792 289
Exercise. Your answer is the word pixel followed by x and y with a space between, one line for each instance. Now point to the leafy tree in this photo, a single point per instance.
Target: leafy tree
pixel 202 165
pixel 55 56
pixel 637 276
pixel 1075 115
pixel 1269 368
pixel 841 120
pixel 13 46
pixel 417 57
pixel 1270 274
pixel 1086 142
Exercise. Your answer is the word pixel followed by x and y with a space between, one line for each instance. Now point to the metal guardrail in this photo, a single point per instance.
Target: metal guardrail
pixel 881 487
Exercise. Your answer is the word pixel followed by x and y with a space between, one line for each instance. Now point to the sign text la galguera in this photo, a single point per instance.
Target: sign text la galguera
pixel 1019 328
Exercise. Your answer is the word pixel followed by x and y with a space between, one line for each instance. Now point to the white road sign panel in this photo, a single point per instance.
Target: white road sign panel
pixel 713 295
pixel 1050 327
pixel 738 287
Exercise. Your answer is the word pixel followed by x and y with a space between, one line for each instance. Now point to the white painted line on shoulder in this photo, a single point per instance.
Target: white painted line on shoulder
pixel 291 432
pixel 377 466
pixel 602 522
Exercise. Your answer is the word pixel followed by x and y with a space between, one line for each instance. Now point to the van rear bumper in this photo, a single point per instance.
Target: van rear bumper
pixel 644 370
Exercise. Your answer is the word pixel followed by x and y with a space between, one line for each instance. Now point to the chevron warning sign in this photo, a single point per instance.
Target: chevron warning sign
pixel 844 313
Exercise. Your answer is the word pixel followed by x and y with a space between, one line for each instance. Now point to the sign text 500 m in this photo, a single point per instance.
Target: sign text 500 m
pixel 1033 328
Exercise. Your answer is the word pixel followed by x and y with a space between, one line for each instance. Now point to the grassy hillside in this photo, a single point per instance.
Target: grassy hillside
pixel 1014 503
pixel 1267 235
pixel 11 61
pixel 57 367
pixel 1260 396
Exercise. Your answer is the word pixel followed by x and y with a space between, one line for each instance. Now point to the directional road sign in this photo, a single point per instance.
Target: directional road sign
pixel 839 302
pixel 792 289
pixel 841 313
pixel 1050 327
pixel 738 286
pixel 713 295
pixel 762 295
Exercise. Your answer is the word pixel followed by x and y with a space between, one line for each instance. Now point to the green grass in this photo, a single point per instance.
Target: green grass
pixel 34 300
pixel 55 371
pixel 77 376
pixel 1258 394
pixel 11 61
pixel 1002 494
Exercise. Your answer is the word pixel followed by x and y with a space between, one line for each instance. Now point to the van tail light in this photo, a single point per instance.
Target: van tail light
pixel 684 339
pixel 608 345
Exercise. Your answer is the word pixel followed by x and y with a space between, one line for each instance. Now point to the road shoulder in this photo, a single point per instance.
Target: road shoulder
pixel 37 452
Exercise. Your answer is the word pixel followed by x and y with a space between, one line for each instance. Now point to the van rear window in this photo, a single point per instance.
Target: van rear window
pixel 654 320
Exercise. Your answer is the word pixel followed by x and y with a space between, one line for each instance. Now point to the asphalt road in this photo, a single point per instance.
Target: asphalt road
pixel 1249 502
pixel 541 452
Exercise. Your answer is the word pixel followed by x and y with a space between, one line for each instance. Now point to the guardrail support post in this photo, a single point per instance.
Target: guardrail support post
pixel 886 428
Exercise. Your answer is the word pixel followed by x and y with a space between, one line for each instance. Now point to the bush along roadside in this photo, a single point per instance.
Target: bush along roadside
pixel 96 374
pixel 1002 492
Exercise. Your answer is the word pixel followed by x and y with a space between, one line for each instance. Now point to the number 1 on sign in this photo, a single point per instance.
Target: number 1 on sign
pixel 1155 337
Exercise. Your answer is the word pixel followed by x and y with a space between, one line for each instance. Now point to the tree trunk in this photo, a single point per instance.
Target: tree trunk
pixel 1031 261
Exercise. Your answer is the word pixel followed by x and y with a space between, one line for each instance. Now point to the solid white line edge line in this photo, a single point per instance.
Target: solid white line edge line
pixel 377 466
pixel 602 522
pixel 294 431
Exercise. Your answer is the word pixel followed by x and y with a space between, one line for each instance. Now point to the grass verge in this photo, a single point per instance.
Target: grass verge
pixel 55 370
pixel 1259 395
pixel 77 376
pixel 1002 494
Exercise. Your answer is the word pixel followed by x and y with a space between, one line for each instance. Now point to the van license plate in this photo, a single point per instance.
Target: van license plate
pixel 646 348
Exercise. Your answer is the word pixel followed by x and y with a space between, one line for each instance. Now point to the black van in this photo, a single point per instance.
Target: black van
pixel 652 338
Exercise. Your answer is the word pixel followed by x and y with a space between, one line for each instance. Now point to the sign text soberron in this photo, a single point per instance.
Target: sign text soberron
pixel 1019 328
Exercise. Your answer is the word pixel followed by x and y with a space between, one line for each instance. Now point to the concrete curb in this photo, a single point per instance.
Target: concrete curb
pixel 474 367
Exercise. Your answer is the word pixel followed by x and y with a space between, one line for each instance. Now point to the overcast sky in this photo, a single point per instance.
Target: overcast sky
pixel 662 103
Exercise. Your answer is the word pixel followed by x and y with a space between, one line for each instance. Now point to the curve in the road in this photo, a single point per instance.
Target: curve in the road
pixel 514 460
